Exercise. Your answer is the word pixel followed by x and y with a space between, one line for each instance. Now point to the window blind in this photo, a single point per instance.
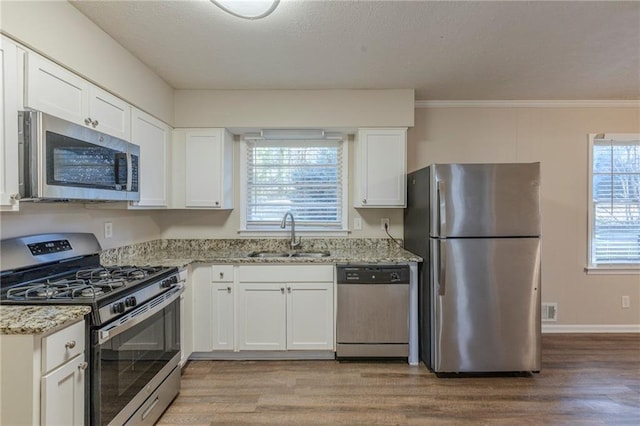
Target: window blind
pixel 616 202
pixel 304 177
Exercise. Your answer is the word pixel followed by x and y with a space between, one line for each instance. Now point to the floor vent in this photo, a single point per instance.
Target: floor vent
pixel 549 311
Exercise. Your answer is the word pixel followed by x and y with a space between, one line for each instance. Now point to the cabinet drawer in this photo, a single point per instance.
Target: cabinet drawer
pixel 62 346
pixel 222 273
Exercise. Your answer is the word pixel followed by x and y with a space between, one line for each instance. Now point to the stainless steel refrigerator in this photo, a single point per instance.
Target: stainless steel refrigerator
pixel 478 228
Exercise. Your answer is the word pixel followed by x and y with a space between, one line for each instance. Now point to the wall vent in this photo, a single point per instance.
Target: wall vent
pixel 549 311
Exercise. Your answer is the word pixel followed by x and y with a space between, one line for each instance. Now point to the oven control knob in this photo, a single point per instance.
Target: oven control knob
pixel 169 282
pixel 117 307
pixel 130 301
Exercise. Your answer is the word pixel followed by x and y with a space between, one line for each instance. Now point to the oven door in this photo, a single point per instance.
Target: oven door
pixel 132 358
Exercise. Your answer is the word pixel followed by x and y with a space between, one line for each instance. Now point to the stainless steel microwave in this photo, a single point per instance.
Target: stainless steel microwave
pixel 60 160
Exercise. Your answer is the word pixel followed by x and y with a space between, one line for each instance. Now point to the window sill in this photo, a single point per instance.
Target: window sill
pixel 287 233
pixel 613 270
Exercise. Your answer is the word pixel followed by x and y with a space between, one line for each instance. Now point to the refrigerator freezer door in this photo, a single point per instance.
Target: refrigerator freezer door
pixel 485 200
pixel 486 305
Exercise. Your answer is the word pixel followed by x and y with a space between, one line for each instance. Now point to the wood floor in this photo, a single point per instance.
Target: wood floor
pixel 585 379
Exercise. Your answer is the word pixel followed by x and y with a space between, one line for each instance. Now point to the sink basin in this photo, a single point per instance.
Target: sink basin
pixel 311 254
pixel 268 254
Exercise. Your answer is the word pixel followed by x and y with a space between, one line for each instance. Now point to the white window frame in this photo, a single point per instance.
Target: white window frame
pixel 633 269
pixel 344 231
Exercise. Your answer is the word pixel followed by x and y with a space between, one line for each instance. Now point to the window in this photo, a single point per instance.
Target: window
pixel 614 202
pixel 305 177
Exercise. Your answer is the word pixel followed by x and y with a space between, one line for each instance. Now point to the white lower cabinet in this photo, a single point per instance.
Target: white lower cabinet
pixel 285 307
pixel 263 308
pixel 63 394
pixel 262 318
pixel 213 308
pixel 42 378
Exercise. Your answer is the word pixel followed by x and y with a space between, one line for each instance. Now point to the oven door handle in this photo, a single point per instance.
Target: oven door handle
pixel 148 309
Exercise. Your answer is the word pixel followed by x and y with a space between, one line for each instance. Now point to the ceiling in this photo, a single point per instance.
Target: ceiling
pixel 445 50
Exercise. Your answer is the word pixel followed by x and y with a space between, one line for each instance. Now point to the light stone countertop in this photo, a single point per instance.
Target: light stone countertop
pixel 40 319
pixel 43 319
pixel 235 251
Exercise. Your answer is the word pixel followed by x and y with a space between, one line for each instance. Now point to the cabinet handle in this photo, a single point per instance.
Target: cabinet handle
pixel 217 203
pixel 282 290
pixel 15 197
pixel 83 366
pixel 88 121
pixel 288 289
pixel 364 201
pixel 221 275
pixel 228 289
pixel 95 123
pixel 70 345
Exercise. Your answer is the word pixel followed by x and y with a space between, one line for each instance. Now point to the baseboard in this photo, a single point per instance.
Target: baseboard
pixel 590 328
pixel 263 355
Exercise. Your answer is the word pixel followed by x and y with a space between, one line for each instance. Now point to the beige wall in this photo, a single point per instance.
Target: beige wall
pixel 557 137
pixel 58 30
pixel 129 227
pixel 294 108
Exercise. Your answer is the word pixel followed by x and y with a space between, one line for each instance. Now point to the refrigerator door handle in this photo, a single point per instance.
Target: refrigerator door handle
pixel 442 208
pixel 442 263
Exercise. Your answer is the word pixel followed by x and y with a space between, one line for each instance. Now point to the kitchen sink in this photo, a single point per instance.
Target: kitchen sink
pixel 270 254
pixel 311 254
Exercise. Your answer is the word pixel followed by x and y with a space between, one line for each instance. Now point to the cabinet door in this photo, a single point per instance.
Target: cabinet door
pixel 109 114
pixel 56 91
pixel 9 86
pixel 261 316
pixel 63 394
pixel 153 137
pixel 202 310
pixel 310 316
pixel 223 316
pixel 381 156
pixel 203 160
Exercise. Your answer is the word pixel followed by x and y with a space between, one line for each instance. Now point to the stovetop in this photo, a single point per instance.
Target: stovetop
pixel 64 269
pixel 89 284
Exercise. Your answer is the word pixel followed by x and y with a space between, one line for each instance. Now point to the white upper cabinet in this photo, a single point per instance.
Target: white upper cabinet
pixel 202 169
pixel 10 85
pixel 209 169
pixel 153 137
pixel 55 90
pixel 381 167
pixel 109 114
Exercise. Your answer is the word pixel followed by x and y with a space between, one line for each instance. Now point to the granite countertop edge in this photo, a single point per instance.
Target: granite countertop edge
pixel 185 259
pixel 38 319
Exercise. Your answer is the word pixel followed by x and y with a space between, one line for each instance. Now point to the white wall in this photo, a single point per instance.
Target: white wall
pixel 37 218
pixel 557 137
pixel 58 30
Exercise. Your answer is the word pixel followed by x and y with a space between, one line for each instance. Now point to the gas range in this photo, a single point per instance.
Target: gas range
pixel 133 344
pixel 64 269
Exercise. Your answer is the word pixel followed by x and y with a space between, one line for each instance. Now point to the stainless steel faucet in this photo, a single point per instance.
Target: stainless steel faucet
pixel 283 224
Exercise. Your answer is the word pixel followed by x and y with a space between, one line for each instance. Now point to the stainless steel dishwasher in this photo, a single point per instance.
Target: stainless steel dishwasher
pixel 373 311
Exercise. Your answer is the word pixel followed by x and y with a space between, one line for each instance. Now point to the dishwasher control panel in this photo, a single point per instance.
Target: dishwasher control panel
pixel 373 274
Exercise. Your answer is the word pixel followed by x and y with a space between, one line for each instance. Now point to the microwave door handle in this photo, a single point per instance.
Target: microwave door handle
pixel 129 172
pixel 118 165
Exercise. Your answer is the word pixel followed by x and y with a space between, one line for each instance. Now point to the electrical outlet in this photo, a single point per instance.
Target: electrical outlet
pixel 108 229
pixel 357 223
pixel 384 224
pixel 626 302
